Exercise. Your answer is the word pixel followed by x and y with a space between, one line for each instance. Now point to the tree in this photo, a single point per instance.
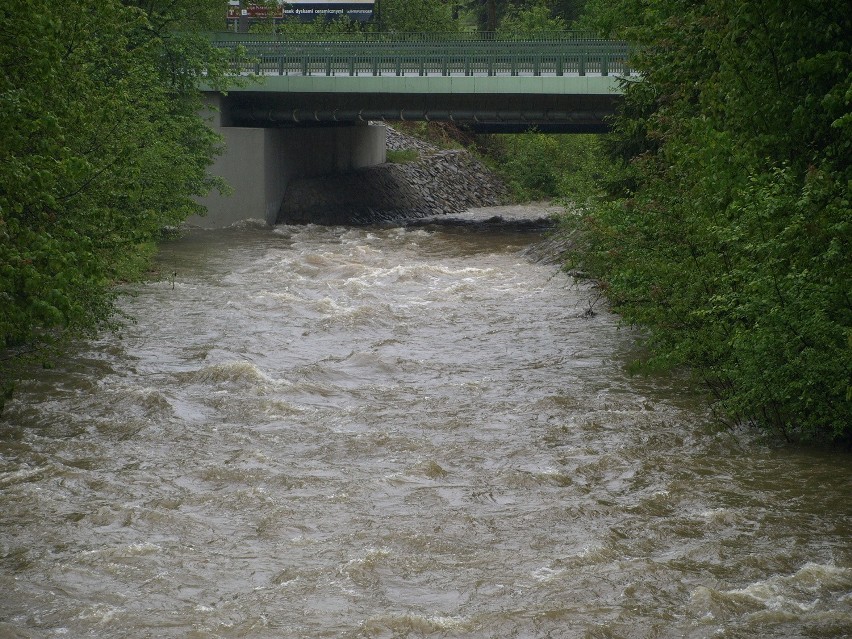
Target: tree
pixel 410 16
pixel 102 149
pixel 491 15
pixel 728 232
pixel 568 10
pixel 529 20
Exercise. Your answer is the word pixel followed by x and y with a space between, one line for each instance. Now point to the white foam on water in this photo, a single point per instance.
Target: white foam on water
pixel 99 613
pixel 114 553
pixel 546 573
pixel 369 558
pixel 237 371
pixel 814 593
pixel 249 223
pixel 414 623
pixel 21 475
pixel 795 591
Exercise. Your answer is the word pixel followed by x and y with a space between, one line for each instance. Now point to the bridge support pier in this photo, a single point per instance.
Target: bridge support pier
pixel 258 163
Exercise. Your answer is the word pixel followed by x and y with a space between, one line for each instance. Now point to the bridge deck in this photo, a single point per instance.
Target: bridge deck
pixel 563 79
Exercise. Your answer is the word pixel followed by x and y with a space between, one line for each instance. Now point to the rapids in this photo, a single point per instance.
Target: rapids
pixel 363 432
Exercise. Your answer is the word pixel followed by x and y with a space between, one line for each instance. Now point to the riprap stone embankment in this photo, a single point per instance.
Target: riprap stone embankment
pixel 437 183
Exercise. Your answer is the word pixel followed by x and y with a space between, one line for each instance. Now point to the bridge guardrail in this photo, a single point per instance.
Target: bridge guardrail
pixel 551 55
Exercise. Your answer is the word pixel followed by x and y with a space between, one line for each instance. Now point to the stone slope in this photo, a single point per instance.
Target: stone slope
pixel 439 182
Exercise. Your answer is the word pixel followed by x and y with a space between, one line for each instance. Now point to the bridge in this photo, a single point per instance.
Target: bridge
pixel 565 82
pixel 299 94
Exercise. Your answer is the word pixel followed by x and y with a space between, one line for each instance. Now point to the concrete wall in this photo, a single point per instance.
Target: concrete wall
pixel 259 163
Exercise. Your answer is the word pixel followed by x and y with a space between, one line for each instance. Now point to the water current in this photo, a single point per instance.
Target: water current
pixel 354 432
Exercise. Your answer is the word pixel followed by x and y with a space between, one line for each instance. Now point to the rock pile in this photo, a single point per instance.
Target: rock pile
pixel 399 141
pixel 437 183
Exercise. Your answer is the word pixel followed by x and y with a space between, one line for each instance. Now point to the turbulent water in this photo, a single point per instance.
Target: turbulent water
pixel 337 432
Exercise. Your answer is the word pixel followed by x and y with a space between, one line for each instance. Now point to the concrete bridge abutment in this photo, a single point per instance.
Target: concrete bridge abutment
pixel 258 163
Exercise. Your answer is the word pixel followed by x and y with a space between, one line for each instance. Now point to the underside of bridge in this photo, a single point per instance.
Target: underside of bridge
pixel 303 107
pixel 506 112
pixel 274 136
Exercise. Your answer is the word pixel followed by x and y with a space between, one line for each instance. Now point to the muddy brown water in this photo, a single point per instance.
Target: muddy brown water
pixel 350 432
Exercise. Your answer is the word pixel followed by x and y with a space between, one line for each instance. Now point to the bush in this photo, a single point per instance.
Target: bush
pixel 727 234
pixel 539 166
pixel 102 148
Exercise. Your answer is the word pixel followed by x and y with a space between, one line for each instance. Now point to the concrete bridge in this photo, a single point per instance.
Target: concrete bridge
pixel 307 107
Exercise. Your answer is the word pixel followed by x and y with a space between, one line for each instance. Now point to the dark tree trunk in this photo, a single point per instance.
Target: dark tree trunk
pixel 491 15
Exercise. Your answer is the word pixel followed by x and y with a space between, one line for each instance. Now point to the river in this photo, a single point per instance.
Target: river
pixel 363 432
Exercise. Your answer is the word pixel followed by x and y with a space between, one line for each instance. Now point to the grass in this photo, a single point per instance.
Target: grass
pixel 403 156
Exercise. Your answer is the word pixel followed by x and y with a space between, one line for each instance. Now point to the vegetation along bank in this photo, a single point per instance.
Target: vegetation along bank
pixel 723 224
pixel 102 149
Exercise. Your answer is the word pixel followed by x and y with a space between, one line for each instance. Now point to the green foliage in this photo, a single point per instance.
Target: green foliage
pixel 102 148
pixel 173 17
pixel 728 231
pixel 530 19
pixel 492 15
pixel 569 10
pixel 539 166
pixel 410 16
pixel 508 17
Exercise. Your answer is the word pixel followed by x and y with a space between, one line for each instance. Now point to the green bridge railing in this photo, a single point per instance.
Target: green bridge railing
pixel 417 54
